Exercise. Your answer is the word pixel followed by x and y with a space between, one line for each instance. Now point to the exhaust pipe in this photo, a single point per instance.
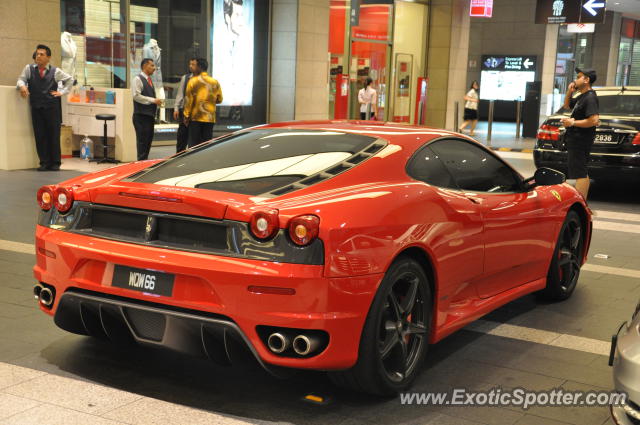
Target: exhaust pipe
pixel 304 345
pixel 36 291
pixel 46 297
pixel 278 343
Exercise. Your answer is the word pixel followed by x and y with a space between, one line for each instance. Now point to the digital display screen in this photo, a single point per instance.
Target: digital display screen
pixel 232 50
pixel 504 85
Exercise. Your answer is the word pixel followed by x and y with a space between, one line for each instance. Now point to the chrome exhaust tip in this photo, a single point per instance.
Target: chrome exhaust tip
pixel 304 345
pixel 46 297
pixel 277 342
pixel 36 291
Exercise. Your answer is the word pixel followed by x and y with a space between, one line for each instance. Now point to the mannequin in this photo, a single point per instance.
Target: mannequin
pixel 69 52
pixel 151 50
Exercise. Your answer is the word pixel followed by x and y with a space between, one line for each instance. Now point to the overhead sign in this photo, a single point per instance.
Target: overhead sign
pixel 509 63
pixel 506 77
pixel 481 8
pixel 570 11
pixel 581 28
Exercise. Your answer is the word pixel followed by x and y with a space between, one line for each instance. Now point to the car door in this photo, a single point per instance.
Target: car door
pixel 516 228
pixel 453 229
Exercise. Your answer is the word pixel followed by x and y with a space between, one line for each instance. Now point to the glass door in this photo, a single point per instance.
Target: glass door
pixel 369 60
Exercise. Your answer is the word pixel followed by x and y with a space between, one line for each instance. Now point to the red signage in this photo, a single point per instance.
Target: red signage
pixel 481 8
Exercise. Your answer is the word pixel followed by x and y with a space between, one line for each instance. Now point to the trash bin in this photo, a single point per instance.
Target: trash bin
pixel 66 140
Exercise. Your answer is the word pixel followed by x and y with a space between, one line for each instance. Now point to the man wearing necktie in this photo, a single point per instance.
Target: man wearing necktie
pixel 145 105
pixel 39 82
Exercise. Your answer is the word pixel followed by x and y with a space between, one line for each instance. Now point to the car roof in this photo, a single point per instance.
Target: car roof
pixel 409 136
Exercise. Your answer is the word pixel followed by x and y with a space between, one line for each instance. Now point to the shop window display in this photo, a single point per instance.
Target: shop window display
pixel 171 33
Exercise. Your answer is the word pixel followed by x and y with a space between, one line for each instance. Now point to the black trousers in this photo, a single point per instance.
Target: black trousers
pixel 144 134
pixel 183 134
pixel 199 132
pixel 46 128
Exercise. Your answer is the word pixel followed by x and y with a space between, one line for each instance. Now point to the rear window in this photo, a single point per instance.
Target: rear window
pixel 258 161
pixel 619 105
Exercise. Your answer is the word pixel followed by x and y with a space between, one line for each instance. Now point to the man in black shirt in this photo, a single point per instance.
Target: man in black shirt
pixel 581 127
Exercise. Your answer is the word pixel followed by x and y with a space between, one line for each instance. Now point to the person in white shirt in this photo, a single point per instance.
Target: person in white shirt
pixel 367 98
pixel 471 108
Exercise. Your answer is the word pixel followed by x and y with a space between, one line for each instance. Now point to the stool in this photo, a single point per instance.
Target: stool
pixel 105 147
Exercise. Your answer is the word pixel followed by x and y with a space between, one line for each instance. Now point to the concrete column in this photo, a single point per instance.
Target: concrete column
pixel 312 64
pixel 23 25
pixel 299 60
pixel 284 24
pixel 448 53
pixel 613 49
pixel 547 104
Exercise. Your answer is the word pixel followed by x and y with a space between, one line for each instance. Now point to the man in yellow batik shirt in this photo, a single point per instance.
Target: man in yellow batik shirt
pixel 201 96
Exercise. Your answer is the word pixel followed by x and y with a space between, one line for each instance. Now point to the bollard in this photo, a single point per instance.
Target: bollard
pixel 518 117
pixel 489 127
pixel 456 106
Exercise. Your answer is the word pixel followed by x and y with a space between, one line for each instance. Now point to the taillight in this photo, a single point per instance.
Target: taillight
pixel 264 224
pixel 636 140
pixel 63 199
pixel 548 132
pixel 45 197
pixel 303 229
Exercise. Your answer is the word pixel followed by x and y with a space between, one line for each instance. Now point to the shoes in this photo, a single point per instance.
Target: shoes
pixel 472 134
pixel 54 168
pixel 42 168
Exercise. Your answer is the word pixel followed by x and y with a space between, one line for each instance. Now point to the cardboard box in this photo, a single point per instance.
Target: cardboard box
pixel 66 141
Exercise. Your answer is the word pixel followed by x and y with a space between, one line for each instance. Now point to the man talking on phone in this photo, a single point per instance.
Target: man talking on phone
pixel 581 127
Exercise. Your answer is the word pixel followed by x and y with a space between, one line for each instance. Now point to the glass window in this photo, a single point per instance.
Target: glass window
pixel 476 169
pixel 93 42
pixel 427 167
pixel 170 33
pixel 619 105
pixel 257 161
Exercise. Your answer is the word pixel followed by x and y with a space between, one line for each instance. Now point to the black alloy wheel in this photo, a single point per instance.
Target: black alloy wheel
pixel 395 337
pixel 402 331
pixel 564 270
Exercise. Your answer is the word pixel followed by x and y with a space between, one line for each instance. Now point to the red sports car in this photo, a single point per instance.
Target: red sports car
pixel 340 246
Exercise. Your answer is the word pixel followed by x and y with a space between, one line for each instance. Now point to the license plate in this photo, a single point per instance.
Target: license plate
pixel 605 138
pixel 149 281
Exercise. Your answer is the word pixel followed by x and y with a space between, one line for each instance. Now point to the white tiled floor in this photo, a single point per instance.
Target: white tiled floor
pixel 32 397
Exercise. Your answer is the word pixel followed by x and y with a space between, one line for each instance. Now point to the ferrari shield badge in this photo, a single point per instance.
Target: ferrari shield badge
pixel 557 195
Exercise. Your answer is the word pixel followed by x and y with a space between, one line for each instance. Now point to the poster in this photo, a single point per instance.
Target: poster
pixel 232 50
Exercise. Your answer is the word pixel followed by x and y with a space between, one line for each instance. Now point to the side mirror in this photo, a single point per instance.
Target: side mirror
pixel 545 177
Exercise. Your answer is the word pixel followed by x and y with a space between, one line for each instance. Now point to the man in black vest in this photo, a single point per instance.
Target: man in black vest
pixel 39 82
pixel 178 111
pixel 145 105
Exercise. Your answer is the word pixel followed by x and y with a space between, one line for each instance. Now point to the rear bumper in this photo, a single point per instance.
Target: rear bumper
pixel 210 300
pixel 600 165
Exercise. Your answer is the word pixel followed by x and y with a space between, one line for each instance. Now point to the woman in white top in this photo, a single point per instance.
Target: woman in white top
pixel 368 99
pixel 471 108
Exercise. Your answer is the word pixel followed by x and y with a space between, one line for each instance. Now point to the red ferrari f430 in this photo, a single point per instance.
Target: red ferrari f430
pixel 347 247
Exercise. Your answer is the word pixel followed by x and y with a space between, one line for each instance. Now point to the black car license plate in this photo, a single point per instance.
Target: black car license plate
pixel 149 281
pixel 606 139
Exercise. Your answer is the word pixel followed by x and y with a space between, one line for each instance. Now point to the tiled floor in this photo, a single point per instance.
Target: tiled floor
pixel 48 376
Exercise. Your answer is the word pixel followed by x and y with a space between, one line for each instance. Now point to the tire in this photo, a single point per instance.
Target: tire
pixel 564 269
pixel 395 336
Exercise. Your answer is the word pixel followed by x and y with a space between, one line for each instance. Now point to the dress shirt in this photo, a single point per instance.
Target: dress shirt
pixel 179 103
pixel 136 88
pixel 60 77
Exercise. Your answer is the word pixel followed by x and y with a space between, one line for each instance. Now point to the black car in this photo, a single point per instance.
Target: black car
pixel 616 149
